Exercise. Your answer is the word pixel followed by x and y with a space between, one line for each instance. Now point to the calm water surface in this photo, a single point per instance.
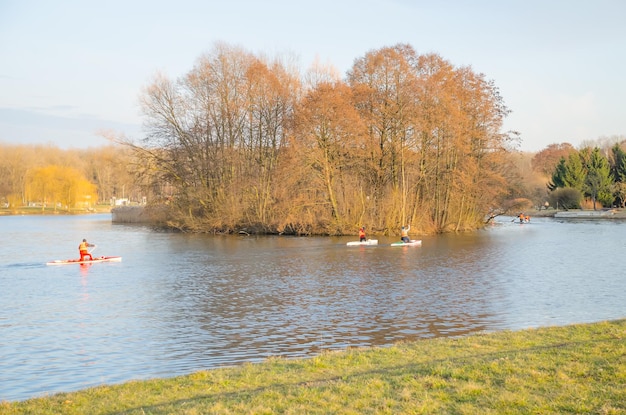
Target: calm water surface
pixel 178 303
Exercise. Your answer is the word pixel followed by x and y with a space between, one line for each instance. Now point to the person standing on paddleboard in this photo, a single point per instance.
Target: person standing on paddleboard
pixel 362 237
pixel 405 234
pixel 84 251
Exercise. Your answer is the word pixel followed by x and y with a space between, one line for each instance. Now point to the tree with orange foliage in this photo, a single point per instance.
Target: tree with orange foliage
pixel 546 160
pixel 434 134
pixel 385 85
pixel 329 132
pixel 216 135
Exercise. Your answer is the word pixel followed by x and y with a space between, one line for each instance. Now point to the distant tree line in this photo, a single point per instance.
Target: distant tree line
pixel 49 177
pixel 245 143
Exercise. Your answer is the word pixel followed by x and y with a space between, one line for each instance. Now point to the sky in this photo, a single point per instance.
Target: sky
pixel 71 69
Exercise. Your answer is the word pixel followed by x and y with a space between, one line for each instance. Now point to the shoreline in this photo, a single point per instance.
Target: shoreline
pixel 614 213
pixel 535 370
pixel 138 214
pixel 37 211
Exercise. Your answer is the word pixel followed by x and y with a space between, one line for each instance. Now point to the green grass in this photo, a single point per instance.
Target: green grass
pixel 578 369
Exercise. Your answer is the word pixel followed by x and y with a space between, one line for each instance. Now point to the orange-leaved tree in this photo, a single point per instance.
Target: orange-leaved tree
pixel 328 134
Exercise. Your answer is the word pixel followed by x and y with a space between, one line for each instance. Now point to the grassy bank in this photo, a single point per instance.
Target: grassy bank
pixel 572 369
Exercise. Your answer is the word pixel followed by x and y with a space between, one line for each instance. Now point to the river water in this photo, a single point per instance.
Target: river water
pixel 178 303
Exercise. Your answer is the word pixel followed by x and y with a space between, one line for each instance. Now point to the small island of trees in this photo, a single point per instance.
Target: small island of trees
pixel 247 143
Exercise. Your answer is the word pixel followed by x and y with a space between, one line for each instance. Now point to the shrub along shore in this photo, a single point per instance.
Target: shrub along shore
pixel 572 369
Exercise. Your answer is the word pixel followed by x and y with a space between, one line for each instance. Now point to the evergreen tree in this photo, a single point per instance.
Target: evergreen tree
pixel 575 173
pixel 558 177
pixel 598 182
pixel 618 169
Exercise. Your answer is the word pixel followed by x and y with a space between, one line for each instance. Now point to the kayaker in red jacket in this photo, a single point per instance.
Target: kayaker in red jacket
pixel 362 237
pixel 84 251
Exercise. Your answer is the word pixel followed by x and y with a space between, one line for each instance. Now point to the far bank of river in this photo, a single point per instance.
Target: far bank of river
pixel 614 213
pixel 25 210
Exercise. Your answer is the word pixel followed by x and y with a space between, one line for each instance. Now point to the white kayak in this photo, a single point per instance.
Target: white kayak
pixel 412 242
pixel 366 242
pixel 87 261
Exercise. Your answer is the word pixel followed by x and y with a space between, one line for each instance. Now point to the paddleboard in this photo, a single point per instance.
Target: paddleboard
pixel 367 242
pixel 87 261
pixel 412 242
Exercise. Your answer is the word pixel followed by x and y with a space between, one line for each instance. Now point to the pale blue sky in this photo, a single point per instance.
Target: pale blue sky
pixel 69 68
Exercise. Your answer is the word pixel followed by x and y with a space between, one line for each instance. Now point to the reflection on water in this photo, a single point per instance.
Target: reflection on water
pixel 179 303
